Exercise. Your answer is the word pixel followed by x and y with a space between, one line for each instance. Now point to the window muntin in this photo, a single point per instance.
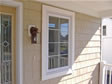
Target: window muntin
pixel 58 42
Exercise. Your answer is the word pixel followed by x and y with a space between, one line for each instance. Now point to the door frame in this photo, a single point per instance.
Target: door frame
pixel 19 37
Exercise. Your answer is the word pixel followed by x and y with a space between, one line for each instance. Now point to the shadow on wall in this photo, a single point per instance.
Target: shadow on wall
pixel 87 49
pixel 87 53
pixel 95 76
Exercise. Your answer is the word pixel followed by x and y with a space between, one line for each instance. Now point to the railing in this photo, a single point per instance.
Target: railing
pixel 105 73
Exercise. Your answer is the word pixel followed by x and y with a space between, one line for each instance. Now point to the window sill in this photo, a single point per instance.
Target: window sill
pixel 57 73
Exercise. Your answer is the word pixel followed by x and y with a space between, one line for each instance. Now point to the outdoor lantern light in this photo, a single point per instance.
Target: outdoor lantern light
pixel 33 34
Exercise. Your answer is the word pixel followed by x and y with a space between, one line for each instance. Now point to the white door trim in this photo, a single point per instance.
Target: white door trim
pixel 19 37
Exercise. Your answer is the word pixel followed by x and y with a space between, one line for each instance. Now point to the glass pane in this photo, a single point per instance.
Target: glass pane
pixel 64 48
pixel 53 49
pixel 53 36
pixel 64 30
pixel 64 24
pixel 53 62
pixel 53 22
pixel 63 60
pixel 58 42
pixel 104 30
pixel 5 36
pixel 63 36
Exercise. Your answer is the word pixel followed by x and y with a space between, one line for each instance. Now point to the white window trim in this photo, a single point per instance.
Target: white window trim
pixel 46 11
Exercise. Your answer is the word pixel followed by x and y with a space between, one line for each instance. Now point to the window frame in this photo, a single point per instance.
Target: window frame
pixel 60 13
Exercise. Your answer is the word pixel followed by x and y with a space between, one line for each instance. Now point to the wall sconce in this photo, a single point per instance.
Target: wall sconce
pixel 33 33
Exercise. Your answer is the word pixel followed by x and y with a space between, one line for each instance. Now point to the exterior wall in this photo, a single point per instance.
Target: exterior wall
pixel 87 48
pixel 107 41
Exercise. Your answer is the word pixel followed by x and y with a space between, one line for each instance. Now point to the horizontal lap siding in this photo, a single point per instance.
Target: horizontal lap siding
pixel 87 49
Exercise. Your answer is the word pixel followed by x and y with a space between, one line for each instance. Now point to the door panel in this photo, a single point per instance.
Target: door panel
pixel 7 45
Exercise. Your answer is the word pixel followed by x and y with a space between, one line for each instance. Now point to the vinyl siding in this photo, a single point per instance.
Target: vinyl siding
pixel 87 49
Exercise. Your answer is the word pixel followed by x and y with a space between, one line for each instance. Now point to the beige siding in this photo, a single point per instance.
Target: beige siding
pixel 87 49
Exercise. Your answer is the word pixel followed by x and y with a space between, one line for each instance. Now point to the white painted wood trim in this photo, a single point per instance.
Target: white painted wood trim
pixel 19 37
pixel 56 11
pixel 102 72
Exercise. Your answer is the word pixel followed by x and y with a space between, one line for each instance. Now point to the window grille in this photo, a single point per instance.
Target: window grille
pixel 58 42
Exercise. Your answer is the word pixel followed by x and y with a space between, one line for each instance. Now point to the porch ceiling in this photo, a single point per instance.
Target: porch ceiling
pixel 98 8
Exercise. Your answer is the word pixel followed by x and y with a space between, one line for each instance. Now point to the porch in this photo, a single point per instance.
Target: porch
pixel 83 53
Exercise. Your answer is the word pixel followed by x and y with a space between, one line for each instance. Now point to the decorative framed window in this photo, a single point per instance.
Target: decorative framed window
pixel 57 42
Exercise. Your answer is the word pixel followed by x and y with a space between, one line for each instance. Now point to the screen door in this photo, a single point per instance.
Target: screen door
pixel 7 45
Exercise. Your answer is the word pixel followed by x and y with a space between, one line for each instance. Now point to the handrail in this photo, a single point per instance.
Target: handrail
pixel 108 65
pixel 105 73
